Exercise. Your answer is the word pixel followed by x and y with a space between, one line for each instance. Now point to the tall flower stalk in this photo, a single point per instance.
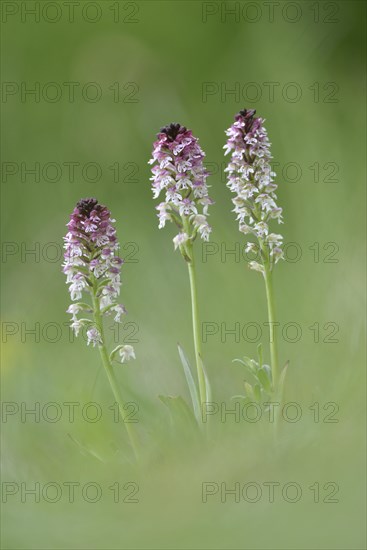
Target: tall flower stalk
pixel 92 268
pixel 251 179
pixel 180 176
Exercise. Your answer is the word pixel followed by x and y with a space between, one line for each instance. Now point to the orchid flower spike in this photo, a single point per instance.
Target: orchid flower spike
pixel 251 179
pixel 92 268
pixel 180 175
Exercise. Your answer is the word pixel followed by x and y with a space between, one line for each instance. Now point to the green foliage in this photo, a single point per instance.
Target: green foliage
pixel 191 384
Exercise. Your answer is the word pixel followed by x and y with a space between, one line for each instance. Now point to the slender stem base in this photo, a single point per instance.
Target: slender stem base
pixel 196 325
pixel 112 378
pixel 272 320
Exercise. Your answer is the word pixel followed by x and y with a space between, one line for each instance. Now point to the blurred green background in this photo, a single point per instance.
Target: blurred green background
pixel 179 61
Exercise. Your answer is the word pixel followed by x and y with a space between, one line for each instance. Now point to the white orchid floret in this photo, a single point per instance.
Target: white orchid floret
pixel 200 223
pixel 74 310
pixel 187 207
pixel 126 353
pixel 274 238
pixel 76 326
pixel 261 229
pixel 180 240
pixel 277 254
pixel 246 229
pixel 163 214
pixel 119 310
pixel 256 267
pixel 78 284
pixel 251 247
pixel 94 336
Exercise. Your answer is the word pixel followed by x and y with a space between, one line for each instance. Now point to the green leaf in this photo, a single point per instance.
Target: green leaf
pixel 182 416
pixel 269 374
pixel 257 392
pixel 263 377
pixel 208 395
pixel 282 380
pixel 85 451
pixel 191 383
pixel 260 354
pixel 247 362
pixel 251 363
pixel 249 391
pixel 251 367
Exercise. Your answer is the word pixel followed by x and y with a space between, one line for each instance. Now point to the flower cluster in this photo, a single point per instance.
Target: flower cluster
pixel 179 172
pixel 251 179
pixel 92 265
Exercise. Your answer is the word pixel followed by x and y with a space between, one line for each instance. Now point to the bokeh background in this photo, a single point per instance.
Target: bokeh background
pixel 179 61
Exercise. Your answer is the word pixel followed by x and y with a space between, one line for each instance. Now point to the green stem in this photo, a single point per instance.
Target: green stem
pixel 111 375
pixel 272 319
pixel 195 321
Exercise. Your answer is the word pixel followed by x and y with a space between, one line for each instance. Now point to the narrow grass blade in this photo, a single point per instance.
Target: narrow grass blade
pixel 84 449
pixel 282 381
pixel 208 395
pixel 182 416
pixel 191 383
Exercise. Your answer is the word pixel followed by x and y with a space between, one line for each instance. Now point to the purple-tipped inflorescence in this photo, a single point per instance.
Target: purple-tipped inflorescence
pixel 180 174
pixel 250 177
pixel 92 266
